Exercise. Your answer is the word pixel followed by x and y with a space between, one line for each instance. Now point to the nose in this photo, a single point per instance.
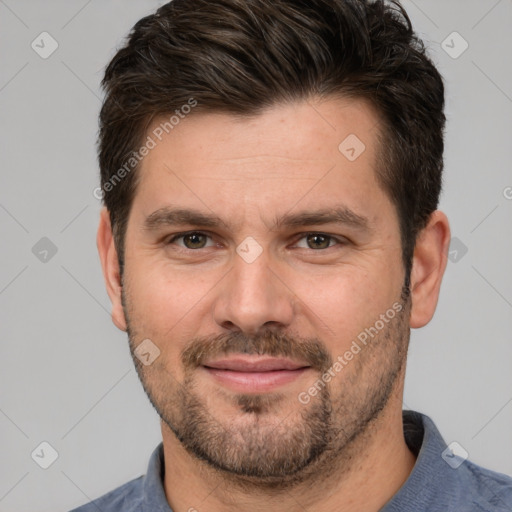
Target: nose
pixel 254 297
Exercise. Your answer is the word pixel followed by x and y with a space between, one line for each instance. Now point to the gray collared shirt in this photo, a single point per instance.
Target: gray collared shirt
pixel 439 482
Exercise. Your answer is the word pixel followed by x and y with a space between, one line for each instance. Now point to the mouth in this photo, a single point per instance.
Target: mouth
pixel 254 374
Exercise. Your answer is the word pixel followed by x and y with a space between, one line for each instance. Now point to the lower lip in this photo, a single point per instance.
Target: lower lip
pixel 255 381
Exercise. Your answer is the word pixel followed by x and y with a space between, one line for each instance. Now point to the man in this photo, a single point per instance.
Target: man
pixel 271 173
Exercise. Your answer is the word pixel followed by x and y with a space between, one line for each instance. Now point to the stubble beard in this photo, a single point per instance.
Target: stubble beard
pixel 259 447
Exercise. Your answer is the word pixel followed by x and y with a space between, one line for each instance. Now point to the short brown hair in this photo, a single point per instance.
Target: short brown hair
pixel 241 56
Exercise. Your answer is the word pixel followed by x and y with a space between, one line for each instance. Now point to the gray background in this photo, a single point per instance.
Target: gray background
pixel 66 376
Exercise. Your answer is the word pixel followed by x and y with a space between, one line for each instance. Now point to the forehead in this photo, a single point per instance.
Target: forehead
pixel 291 153
pixel 308 129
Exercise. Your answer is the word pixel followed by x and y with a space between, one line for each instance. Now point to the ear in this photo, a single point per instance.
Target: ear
pixel 110 265
pixel 429 263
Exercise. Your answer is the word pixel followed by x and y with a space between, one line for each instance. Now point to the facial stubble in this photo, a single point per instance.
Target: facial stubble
pixel 259 446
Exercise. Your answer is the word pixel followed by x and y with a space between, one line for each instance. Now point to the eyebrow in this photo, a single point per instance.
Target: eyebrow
pixel 341 215
pixel 170 216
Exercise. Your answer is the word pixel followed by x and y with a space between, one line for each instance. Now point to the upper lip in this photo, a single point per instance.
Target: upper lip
pixel 245 364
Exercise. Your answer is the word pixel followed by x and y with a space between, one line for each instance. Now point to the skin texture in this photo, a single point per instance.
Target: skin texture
pixel 302 297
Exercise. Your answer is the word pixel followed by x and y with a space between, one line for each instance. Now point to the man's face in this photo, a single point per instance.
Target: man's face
pixel 250 308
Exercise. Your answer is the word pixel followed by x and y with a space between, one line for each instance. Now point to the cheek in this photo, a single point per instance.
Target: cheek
pixel 343 301
pixel 163 300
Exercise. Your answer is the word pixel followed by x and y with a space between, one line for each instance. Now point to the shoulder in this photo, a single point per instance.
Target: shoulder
pixel 126 498
pixel 145 493
pixel 487 490
pixel 441 480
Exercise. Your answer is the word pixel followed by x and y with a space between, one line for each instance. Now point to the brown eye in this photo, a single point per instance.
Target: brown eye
pixel 194 241
pixel 318 241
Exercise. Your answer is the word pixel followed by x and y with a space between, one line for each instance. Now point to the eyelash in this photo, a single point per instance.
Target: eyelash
pixel 340 241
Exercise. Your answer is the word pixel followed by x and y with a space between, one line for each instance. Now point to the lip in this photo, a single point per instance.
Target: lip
pixel 246 364
pixel 256 375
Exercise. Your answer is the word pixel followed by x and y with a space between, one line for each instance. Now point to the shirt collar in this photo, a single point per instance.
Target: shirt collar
pixel 154 494
pixel 432 481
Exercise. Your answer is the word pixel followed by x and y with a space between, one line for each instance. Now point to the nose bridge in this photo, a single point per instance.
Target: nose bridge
pixel 252 296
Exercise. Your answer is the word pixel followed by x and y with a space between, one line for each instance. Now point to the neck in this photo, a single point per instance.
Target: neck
pixel 380 462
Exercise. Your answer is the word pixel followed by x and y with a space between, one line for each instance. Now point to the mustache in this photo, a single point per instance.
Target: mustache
pixel 274 344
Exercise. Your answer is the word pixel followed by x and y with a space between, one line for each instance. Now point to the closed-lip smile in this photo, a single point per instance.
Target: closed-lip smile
pixel 244 364
pixel 254 374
